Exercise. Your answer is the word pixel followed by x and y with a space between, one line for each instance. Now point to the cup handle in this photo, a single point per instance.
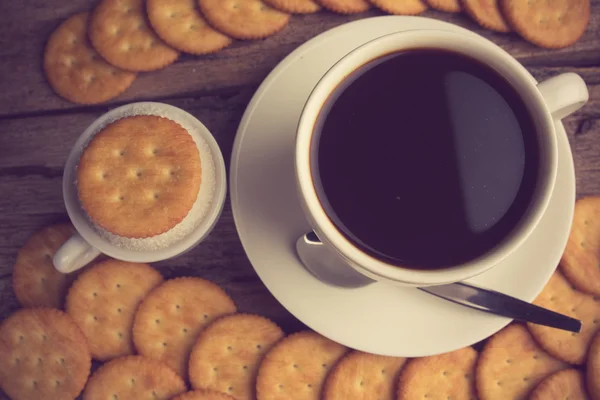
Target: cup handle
pixel 564 94
pixel 74 254
pixel 324 265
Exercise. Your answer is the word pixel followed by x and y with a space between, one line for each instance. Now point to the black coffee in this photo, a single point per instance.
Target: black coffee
pixel 425 158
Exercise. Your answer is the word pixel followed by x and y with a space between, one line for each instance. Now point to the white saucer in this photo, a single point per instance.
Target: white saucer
pixel 378 318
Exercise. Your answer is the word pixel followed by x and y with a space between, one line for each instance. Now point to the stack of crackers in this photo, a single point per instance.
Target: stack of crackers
pixel 184 339
pixel 93 57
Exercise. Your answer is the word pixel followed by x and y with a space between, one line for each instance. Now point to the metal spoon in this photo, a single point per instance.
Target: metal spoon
pixel 326 267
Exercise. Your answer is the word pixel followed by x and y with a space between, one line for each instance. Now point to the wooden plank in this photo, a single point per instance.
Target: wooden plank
pixel 22 41
pixel 41 144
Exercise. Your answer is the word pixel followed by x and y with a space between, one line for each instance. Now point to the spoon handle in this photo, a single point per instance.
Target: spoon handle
pixel 501 304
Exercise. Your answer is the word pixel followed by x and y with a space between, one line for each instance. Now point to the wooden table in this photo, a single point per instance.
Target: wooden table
pixel 37 128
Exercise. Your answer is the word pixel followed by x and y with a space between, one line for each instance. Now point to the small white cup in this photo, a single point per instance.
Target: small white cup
pixel 88 243
pixel 550 100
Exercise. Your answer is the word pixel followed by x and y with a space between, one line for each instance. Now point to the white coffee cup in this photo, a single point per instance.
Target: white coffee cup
pixel 550 100
pixel 89 241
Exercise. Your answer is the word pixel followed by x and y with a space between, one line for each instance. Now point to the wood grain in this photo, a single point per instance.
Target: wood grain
pixel 38 129
pixel 243 64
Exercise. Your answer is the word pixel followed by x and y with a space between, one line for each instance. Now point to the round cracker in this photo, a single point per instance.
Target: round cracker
pixel 202 394
pixel 297 366
pixel 512 364
pixel 401 7
pixel 444 376
pixel 133 377
pixel 180 24
pixel 558 295
pixel 566 384
pixel 363 376
pixel 44 355
pixel 295 6
pixel 169 320
pixel 139 176
pixel 551 24
pixel 35 280
pixel 227 353
pixel 593 368
pixel 103 301
pixel 581 260
pixel 487 14
pixel 346 6
pixel 119 31
pixel 244 19
pixel 450 6
pixel 76 71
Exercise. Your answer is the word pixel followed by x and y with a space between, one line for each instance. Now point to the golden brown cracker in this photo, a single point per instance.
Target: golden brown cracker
pixel 451 6
pixel 76 71
pixel 548 23
pixel 512 364
pixel 346 6
pixel 363 376
pixel 103 301
pixel 400 7
pixel 558 295
pixel 295 6
pixel 35 280
pixel 133 377
pixel 581 260
pixel 169 320
pixel 487 14
pixel 180 24
pixel 227 353
pixel 244 19
pixel 119 31
pixel 297 366
pixel 139 176
pixel 444 376
pixel 567 384
pixel 202 394
pixel 593 368
pixel 44 355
